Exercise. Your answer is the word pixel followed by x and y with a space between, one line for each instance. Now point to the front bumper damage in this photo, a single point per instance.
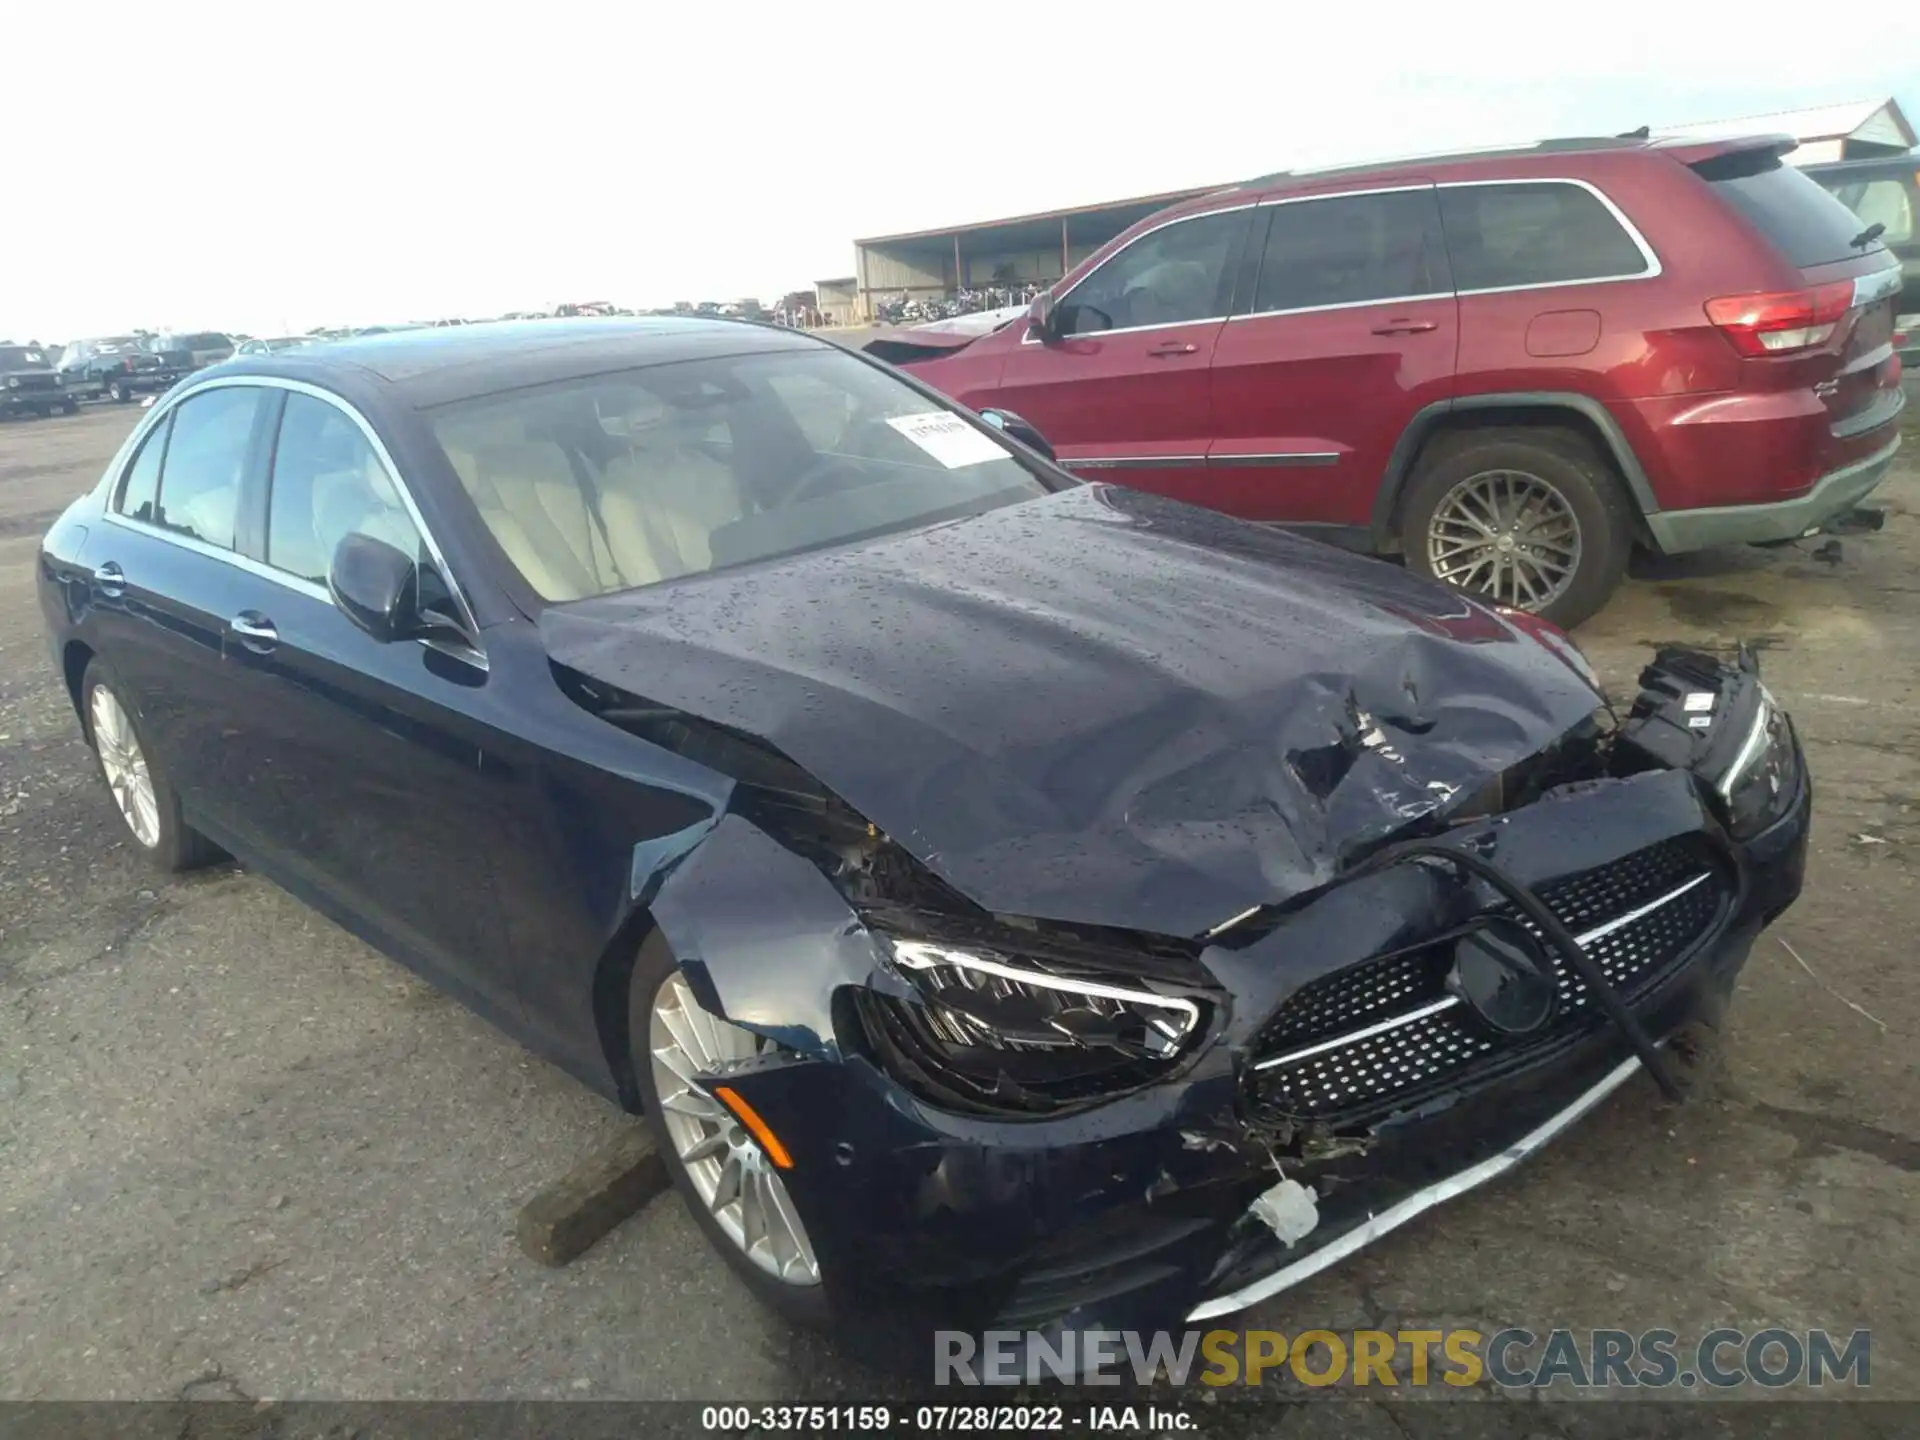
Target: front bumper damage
pixel 1324 1069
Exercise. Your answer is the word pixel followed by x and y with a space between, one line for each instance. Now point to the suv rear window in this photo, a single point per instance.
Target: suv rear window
pixel 1506 234
pixel 1803 222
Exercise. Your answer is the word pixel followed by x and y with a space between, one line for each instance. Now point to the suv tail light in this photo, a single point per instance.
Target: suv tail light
pixel 1782 321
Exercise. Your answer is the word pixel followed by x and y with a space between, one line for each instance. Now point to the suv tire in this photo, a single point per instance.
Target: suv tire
pixel 120 393
pixel 1504 488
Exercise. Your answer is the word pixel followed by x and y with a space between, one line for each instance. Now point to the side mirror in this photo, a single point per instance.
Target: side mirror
pixel 1017 428
pixel 1040 317
pixel 376 587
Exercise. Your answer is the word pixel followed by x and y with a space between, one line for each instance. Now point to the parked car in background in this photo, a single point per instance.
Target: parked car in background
pixel 29 384
pixel 1511 366
pixel 120 367
pixel 1886 193
pixel 276 344
pixel 207 347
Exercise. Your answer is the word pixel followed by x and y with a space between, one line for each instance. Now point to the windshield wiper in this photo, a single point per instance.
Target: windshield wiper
pixel 1867 236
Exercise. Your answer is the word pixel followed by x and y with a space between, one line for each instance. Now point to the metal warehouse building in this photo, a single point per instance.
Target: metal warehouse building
pixel 1043 247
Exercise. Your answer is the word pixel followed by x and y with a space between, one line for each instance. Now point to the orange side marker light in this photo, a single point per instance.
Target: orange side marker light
pixel 758 1128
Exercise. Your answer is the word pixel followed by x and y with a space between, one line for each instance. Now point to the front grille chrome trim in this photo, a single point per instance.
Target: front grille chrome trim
pixel 1447 1002
pixel 1354 1037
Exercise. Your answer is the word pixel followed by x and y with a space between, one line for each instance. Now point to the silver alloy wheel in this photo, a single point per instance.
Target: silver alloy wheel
pixel 125 766
pixel 736 1181
pixel 1507 535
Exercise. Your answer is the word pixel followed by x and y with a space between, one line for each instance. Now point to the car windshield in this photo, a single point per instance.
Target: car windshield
pixel 14 357
pixel 629 479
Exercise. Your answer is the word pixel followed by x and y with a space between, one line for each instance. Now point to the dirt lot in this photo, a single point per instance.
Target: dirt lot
pixel 241 1155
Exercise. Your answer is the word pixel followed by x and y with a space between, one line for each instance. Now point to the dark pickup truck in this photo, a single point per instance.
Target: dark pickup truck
pixel 120 367
pixel 28 384
pixel 1886 193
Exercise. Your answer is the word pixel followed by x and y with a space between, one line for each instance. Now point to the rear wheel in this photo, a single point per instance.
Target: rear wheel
pixel 69 407
pixel 1531 519
pixel 148 804
pixel 119 391
pixel 729 1182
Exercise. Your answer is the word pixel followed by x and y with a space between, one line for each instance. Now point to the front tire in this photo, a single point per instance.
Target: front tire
pixel 1528 518
pixel 147 804
pixel 730 1185
pixel 70 407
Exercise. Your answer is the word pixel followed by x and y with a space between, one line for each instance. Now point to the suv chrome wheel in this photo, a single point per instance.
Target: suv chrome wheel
pixel 732 1175
pixel 125 766
pixel 1507 535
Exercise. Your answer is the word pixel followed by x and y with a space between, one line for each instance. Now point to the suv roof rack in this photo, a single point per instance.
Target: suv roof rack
pixel 1532 147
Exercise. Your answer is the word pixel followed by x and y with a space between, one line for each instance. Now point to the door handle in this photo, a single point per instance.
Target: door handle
pixel 1171 347
pixel 255 630
pixel 110 579
pixel 1406 327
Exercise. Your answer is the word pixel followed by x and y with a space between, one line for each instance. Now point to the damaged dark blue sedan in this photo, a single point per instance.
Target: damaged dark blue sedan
pixel 1016 903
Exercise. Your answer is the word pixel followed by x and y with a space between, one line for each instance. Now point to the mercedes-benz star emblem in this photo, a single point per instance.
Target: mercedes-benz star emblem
pixel 1503 976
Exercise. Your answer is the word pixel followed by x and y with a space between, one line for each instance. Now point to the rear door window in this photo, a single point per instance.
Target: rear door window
pixel 1175 275
pixel 1352 250
pixel 1804 223
pixel 205 460
pixel 1514 234
pixel 141 486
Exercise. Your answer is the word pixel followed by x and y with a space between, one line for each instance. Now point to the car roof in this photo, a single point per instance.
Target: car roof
pixel 443 364
pixel 1683 149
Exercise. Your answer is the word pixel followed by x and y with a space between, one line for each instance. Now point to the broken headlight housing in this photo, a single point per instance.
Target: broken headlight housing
pixel 991 1030
pixel 1760 782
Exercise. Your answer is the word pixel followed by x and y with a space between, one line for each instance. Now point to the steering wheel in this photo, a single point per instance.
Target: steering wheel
pixel 824 467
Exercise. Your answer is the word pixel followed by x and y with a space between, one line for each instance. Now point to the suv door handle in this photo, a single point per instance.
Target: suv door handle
pixel 255 630
pixel 1406 327
pixel 110 579
pixel 1172 347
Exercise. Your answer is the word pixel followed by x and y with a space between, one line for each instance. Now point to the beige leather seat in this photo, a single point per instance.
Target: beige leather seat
pixel 657 507
pixel 675 495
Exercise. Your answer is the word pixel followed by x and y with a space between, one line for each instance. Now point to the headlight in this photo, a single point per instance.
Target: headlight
pixel 1011 1032
pixel 1759 784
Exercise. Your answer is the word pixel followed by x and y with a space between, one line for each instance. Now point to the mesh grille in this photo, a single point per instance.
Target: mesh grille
pixel 1400 1065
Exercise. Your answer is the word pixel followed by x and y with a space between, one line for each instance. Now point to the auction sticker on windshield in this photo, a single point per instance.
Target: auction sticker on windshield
pixel 947 438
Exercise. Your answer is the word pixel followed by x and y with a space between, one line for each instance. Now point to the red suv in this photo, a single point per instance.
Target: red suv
pixel 1509 365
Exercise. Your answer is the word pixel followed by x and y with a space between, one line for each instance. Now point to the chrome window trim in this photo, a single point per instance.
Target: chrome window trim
pixel 1343 305
pixel 1027 337
pixel 471 653
pixel 174 400
pixel 1647 252
pixel 216 552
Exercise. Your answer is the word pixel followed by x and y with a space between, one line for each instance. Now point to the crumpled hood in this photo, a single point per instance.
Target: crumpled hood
pixel 1102 706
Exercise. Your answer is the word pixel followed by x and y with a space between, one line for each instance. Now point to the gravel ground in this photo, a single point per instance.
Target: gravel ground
pixel 243 1156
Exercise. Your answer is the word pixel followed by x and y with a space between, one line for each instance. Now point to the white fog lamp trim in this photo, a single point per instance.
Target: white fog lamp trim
pixel 1751 749
pixel 1183 1015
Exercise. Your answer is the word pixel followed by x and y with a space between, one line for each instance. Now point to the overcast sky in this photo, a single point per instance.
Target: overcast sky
pixel 279 165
